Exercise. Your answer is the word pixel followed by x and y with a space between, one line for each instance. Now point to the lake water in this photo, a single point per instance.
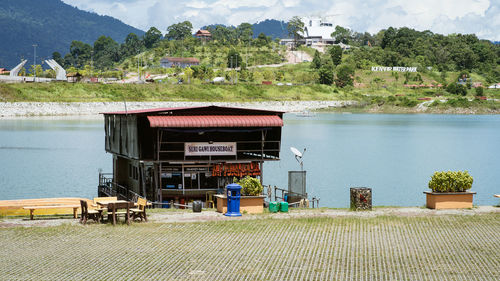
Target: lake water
pixel 395 155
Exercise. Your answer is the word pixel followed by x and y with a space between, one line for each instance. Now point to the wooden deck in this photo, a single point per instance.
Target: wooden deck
pixel 15 207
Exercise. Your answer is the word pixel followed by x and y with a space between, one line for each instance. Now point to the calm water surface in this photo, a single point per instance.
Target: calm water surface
pixel 395 155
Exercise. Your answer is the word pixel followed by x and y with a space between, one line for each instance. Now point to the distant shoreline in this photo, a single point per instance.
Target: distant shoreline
pixel 93 109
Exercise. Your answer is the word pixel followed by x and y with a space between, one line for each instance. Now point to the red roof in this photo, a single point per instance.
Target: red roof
pixel 182 60
pixel 196 121
pixel 203 32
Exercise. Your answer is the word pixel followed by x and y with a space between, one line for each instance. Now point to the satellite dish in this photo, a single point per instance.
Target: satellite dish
pixel 296 151
pixel 298 156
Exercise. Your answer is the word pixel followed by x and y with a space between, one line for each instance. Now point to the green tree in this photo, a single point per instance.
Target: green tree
pixel 479 91
pixel 179 31
pixel 295 29
pixel 38 69
pixel 326 74
pixel 222 34
pixel 132 45
pixel 57 57
pixel 263 40
pixel 80 53
pixel 234 59
pixel 258 77
pixel 106 52
pixel 68 60
pixel 188 73
pixel 456 89
pixel 345 74
pixel 268 75
pixel 151 37
pixel 342 35
pixel 336 54
pixel 316 62
pixel 387 37
pixel 244 32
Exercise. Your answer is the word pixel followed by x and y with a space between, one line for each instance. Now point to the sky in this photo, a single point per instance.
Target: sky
pixel 481 17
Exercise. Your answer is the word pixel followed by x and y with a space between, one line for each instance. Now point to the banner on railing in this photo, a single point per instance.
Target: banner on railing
pixel 236 169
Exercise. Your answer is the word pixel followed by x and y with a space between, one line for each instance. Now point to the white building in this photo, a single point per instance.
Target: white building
pixel 316 30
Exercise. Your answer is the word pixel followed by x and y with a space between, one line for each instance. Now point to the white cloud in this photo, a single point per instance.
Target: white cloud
pixel 481 17
pixel 197 5
pixel 232 4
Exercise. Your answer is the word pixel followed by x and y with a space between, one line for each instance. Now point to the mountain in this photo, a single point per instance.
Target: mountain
pixel 273 28
pixel 52 25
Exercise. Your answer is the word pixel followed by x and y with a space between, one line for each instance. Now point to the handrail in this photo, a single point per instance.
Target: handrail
pixel 314 200
pixel 110 188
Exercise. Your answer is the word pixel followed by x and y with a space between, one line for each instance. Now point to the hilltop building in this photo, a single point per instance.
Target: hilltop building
pixel 168 62
pixel 203 35
pixel 317 33
pixel 316 30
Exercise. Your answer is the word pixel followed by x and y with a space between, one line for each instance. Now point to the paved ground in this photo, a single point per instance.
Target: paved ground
pixel 385 244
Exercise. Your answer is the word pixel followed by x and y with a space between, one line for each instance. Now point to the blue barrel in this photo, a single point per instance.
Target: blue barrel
pixel 233 200
pixel 165 205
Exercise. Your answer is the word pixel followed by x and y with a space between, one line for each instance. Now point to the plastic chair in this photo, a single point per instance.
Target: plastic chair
pixel 209 199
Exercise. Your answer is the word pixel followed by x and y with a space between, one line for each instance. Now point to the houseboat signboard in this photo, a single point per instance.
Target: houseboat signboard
pixel 206 148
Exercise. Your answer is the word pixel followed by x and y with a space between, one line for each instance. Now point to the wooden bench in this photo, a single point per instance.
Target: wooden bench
pixel 33 208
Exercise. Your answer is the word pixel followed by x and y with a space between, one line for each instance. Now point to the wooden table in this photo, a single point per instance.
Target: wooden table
pixel 113 206
pixel 104 204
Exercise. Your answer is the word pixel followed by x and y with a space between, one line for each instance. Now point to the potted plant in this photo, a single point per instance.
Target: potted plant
pixel 450 190
pixel 251 201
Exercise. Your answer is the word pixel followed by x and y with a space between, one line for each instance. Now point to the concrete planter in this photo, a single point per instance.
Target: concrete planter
pixel 250 204
pixel 449 200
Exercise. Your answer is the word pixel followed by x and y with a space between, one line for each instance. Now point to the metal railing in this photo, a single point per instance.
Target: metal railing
pixel 110 188
pixel 279 194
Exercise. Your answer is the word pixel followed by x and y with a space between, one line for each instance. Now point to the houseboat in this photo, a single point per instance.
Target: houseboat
pixel 186 153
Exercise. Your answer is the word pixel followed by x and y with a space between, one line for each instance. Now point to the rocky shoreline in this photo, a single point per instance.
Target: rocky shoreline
pixel 28 109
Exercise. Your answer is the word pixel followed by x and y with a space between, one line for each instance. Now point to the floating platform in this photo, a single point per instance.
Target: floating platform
pixel 15 207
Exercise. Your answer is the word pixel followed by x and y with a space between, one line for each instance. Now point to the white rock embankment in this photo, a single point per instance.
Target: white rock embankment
pixel 26 109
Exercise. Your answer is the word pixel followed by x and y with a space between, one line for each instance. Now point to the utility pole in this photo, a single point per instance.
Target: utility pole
pixel 138 69
pixel 91 64
pixel 246 59
pixel 232 70
pixel 34 62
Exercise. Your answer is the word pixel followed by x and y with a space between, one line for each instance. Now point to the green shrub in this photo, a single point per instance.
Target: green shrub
pixel 479 91
pixel 406 102
pixel 450 181
pixel 459 102
pixel 250 186
pixel 456 89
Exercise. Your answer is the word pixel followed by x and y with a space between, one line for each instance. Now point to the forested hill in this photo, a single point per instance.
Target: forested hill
pixel 273 28
pixel 52 25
